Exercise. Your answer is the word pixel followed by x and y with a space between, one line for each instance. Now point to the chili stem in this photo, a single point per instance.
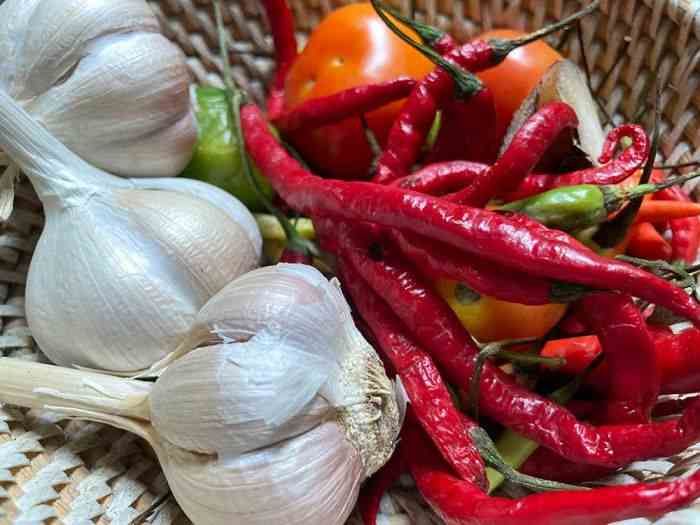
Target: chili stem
pixel 466 83
pixel 502 47
pixel 488 351
pixel 428 33
pixel 235 98
pixel 514 448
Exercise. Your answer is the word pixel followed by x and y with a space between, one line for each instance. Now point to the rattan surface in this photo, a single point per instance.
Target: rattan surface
pixel 60 472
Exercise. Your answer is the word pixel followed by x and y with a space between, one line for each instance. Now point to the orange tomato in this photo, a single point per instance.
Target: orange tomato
pixel 489 319
pixel 350 47
pixel 512 80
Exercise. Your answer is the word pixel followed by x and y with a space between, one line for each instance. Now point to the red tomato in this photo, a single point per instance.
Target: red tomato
pixel 512 80
pixel 350 47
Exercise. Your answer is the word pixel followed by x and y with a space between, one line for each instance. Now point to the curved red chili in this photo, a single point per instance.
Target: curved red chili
pixel 281 21
pixel 429 397
pixel 495 237
pixel 461 503
pixel 630 356
pixel 438 261
pixel 613 171
pixel 437 329
pixel 409 131
pixel 352 102
pixel 521 156
pixel 441 177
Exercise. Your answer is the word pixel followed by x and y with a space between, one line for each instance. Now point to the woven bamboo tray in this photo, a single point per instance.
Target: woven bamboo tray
pixel 77 473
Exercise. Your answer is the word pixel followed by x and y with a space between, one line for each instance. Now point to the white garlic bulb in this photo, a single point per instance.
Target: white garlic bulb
pixel 100 76
pixel 119 273
pixel 280 428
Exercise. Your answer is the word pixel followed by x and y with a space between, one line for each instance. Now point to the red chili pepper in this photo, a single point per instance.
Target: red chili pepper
pixel 441 177
pixel 413 123
pixel 685 233
pixel 408 134
pixel 677 355
pixel 375 488
pixel 467 130
pixel 436 327
pixel 281 20
pixel 461 503
pixel 495 237
pixel 646 242
pixel 437 261
pixel 521 156
pixel 613 171
pixel 548 465
pixel 630 354
pixel 352 102
pixel 429 397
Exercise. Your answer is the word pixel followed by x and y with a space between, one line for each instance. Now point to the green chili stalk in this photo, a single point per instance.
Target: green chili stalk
pixel 572 208
pixel 236 98
pixel 516 449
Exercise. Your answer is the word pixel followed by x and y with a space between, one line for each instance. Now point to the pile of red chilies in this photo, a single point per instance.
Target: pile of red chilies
pixel 394 235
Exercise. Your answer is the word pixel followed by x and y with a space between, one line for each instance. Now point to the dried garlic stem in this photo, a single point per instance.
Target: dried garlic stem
pixel 35 385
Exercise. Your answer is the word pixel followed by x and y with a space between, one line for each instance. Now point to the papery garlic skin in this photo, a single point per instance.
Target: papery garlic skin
pixel 292 418
pixel 119 273
pixel 214 195
pixel 102 79
pixel 311 479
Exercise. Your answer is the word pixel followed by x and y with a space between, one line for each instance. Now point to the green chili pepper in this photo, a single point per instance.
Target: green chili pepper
pixel 217 155
pixel 577 207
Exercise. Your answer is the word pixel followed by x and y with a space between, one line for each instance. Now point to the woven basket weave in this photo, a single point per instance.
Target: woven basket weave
pixel 75 473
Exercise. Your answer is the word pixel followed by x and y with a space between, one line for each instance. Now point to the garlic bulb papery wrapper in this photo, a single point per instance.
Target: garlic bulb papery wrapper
pixel 100 76
pixel 296 327
pixel 305 467
pixel 119 274
pixel 214 195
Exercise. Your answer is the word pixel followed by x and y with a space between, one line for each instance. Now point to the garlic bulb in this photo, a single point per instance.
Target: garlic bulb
pixel 100 76
pixel 280 428
pixel 119 273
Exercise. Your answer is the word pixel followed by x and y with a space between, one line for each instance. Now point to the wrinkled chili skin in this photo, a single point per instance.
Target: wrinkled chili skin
pixel 433 325
pixel 281 21
pixel 630 355
pixel 528 146
pixel 460 503
pixel 438 261
pixel 353 102
pixel 613 171
pixel 429 397
pixel 440 178
pixel 413 123
pixel 538 251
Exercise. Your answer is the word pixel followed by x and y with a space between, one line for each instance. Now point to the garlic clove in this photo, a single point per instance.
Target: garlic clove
pixel 313 478
pixel 212 400
pixel 212 194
